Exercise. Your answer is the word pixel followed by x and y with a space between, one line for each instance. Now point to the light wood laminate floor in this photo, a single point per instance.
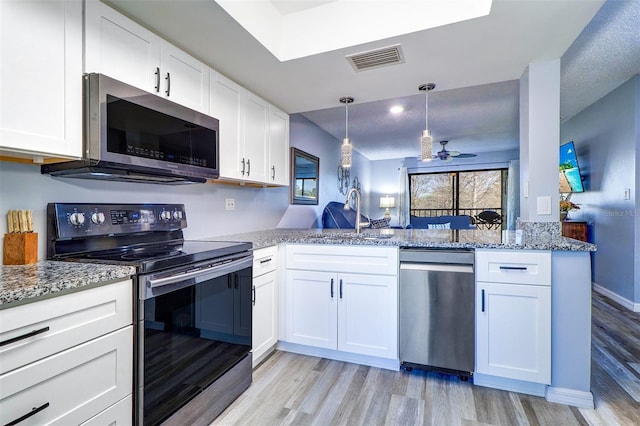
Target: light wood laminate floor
pixel 303 390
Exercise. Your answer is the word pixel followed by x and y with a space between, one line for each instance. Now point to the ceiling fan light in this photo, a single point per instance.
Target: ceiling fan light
pixel 345 153
pixel 426 145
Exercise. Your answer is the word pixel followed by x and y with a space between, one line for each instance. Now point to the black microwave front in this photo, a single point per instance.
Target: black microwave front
pixel 134 135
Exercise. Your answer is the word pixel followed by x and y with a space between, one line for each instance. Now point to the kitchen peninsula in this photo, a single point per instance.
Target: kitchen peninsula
pixel 569 287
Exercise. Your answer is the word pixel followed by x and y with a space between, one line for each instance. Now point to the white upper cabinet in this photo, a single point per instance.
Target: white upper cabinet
pixel 278 147
pixel 254 135
pixel 256 127
pixel 41 78
pixel 226 106
pixel 120 48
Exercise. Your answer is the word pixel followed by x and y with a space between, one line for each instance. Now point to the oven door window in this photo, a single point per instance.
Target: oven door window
pixel 191 337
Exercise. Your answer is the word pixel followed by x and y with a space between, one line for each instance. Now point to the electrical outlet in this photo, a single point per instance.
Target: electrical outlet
pixel 229 203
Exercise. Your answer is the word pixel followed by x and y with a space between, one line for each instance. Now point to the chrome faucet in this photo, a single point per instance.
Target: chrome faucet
pixel 347 207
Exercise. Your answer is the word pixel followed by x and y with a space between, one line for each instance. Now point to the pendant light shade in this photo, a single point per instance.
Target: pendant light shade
pixel 347 148
pixel 426 140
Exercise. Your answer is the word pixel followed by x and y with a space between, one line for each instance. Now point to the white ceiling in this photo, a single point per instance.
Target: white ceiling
pixel 475 65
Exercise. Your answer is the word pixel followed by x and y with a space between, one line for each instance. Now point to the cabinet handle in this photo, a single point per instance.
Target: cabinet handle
pixel 253 295
pixel 483 300
pixel 332 288
pixel 513 268
pixel 33 412
pixel 340 288
pixel 243 166
pixel 24 336
pixel 168 78
pixel 157 74
pixel 248 166
pixel 273 172
pixel 229 281
pixel 266 260
pixel 235 280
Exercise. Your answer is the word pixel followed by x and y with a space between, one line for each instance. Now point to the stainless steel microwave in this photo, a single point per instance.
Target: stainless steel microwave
pixel 136 136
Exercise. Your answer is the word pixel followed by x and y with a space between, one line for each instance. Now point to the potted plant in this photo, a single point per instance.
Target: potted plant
pixel 565 207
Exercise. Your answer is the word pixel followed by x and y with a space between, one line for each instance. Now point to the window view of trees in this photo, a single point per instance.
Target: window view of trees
pixel 460 193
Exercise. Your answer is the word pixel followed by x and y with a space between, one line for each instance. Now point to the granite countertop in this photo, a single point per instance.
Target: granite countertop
pixel 415 238
pixel 27 283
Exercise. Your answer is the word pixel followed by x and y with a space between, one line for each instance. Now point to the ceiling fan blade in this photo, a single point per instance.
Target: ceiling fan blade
pixel 454 153
pixel 465 155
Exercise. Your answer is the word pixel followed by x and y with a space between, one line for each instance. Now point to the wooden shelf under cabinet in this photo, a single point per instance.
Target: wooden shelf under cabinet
pixel 576 230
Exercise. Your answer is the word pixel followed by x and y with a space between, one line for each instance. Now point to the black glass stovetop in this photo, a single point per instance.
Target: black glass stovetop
pixel 156 257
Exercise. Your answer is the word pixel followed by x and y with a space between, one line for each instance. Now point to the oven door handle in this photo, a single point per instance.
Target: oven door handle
pixel 184 279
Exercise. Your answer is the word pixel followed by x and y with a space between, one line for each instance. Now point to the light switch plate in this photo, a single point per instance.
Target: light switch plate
pixel 627 193
pixel 544 205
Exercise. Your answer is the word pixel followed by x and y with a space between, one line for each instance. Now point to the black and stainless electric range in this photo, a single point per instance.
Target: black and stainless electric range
pixel 192 321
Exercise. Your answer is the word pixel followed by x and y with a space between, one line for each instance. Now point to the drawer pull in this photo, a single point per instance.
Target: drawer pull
pixel 25 336
pixel 332 288
pixel 513 268
pixel 33 412
pixel 483 300
pixel 266 260
pixel 340 288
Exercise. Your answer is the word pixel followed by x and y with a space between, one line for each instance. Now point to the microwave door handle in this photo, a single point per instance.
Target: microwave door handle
pixel 213 271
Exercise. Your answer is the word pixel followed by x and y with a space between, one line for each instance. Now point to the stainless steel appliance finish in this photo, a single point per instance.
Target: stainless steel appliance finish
pixel 437 310
pixel 192 320
pixel 135 136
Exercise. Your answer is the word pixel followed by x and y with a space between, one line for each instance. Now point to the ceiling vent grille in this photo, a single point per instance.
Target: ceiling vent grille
pixel 376 58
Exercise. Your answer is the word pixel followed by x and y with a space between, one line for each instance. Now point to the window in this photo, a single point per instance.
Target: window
pixel 480 194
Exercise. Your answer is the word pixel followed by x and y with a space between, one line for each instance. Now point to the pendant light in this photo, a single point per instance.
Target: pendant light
pixel 426 140
pixel 346 143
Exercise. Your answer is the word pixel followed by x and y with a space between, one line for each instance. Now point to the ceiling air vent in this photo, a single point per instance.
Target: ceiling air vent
pixel 376 58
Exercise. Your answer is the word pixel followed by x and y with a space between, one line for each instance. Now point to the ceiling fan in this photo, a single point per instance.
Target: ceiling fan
pixel 445 155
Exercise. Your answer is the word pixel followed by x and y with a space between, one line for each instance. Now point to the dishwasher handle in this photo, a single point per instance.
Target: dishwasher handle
pixel 436 267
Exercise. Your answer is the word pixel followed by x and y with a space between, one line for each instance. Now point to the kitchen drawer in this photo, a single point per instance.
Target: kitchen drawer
pixel 265 260
pixel 62 322
pixel 514 266
pixel 119 414
pixel 72 385
pixel 351 259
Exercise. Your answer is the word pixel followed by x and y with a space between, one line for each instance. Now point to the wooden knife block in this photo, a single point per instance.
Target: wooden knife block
pixel 20 249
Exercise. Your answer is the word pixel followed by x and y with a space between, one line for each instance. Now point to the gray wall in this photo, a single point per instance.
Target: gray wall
pixel 23 187
pixel 310 138
pixel 607 139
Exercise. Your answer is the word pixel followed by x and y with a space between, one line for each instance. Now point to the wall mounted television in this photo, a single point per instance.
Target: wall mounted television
pixel 570 176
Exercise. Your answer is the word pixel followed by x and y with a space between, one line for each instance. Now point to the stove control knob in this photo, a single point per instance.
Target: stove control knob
pixel 165 215
pixel 177 215
pixel 77 219
pixel 97 218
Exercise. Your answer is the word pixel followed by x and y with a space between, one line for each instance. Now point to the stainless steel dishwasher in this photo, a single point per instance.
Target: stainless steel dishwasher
pixel 437 311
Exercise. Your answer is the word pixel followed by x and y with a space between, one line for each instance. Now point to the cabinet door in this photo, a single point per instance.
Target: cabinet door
pixel 368 315
pixel 513 331
pixel 120 48
pixel 41 77
pixel 311 308
pixel 265 326
pixel 255 138
pixel 226 106
pixel 185 80
pixel 278 147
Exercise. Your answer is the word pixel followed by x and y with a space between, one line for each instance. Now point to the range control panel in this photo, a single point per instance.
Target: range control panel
pixel 85 220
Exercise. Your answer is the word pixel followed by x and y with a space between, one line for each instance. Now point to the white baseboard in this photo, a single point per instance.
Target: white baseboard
pixel 372 361
pixel 571 397
pixel 511 385
pixel 634 307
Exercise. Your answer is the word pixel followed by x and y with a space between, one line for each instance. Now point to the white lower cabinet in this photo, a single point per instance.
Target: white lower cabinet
pixel 71 386
pixel 66 359
pixel 513 319
pixel 265 303
pixel 331 308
